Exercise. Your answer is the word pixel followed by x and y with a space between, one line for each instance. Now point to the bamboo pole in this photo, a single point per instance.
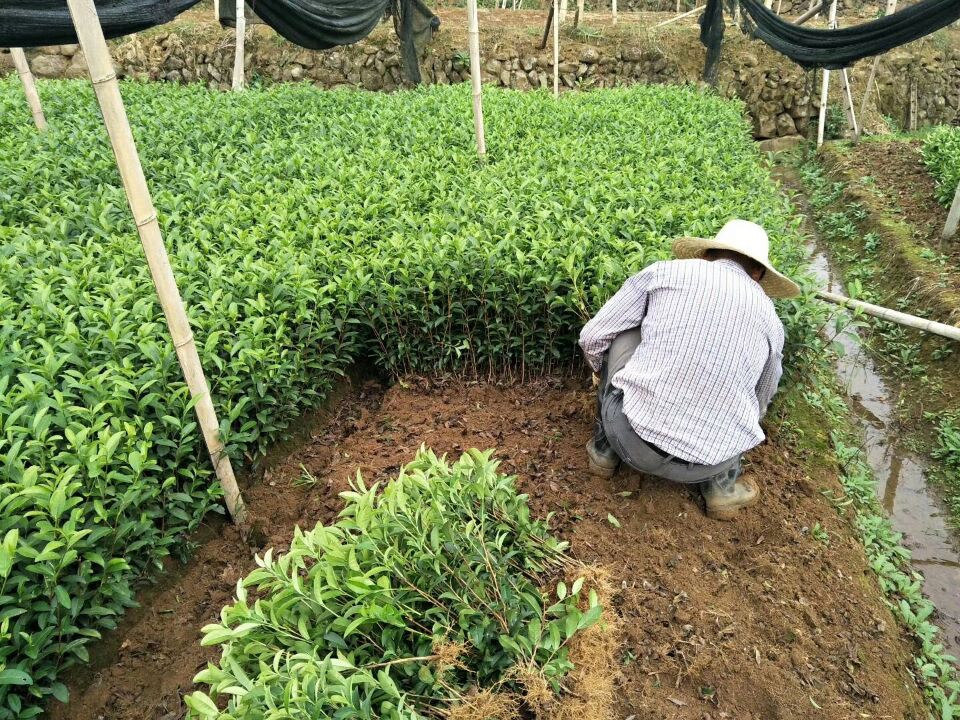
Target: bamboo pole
pixel 613 10
pixel 953 217
pixel 473 35
pixel 825 89
pixel 238 55
pixel 812 12
pixel 912 321
pixel 891 8
pixel 681 16
pixel 29 87
pixel 579 14
pixel 848 103
pixel 107 90
pixel 556 48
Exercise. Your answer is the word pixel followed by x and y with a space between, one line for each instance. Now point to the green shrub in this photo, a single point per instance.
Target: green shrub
pixel 306 229
pixel 417 595
pixel 941 153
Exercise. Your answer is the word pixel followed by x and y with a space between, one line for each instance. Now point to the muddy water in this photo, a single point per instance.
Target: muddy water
pixel 902 487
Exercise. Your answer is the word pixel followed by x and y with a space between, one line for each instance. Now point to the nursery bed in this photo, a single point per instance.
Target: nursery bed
pixel 773 616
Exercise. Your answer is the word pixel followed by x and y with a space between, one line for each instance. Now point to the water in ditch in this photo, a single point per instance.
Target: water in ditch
pixel 913 507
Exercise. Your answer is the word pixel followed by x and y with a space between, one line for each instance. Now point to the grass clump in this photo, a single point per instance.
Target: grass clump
pixel 941 153
pixel 422 597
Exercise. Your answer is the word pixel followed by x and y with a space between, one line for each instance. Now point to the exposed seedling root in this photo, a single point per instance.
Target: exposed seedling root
pixel 487 705
pixel 593 652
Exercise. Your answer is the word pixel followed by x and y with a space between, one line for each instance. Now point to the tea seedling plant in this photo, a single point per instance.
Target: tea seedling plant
pixel 941 153
pixel 419 594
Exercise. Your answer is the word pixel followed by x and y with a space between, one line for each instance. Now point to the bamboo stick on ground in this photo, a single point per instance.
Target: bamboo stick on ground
pixel 238 55
pixel 473 34
pixel 29 87
pixel 912 321
pixel 107 90
pixel 680 17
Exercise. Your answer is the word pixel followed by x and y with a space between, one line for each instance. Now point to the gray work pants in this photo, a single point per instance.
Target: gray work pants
pixel 613 429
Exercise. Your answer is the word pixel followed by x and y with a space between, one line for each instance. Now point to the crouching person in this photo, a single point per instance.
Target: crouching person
pixel 689 356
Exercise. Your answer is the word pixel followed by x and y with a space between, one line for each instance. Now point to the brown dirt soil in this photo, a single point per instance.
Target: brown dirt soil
pixel 748 620
pixel 907 188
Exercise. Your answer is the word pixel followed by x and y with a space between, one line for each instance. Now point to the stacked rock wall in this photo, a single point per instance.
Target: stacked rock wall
pixel 777 93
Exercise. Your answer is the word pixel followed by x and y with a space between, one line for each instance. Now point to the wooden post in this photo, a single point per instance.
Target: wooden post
pixel 107 89
pixel 901 318
pixel 241 42
pixel 824 91
pixel 953 217
pixel 891 8
pixel 556 48
pixel 546 30
pixel 613 10
pixel 473 35
pixel 579 15
pixel 29 87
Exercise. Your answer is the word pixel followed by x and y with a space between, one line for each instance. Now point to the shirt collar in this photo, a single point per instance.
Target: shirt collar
pixel 725 262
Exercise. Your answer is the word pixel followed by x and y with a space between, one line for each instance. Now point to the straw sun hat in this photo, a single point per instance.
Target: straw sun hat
pixel 748 239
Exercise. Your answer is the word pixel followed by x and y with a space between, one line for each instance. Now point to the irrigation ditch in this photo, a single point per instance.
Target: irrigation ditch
pixel 905 484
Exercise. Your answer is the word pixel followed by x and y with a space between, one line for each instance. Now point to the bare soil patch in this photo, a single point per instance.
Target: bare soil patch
pixel 906 188
pixel 748 620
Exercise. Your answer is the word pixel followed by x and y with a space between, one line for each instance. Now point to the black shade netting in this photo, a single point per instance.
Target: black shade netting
pixel 832 49
pixel 32 23
pixel 322 24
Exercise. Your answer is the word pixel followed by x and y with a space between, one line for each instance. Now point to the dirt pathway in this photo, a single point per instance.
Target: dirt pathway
pixel 748 620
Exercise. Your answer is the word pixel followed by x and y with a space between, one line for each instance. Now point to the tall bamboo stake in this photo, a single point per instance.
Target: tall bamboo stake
pixel 473 34
pixel 901 318
pixel 29 87
pixel 953 217
pixel 90 34
pixel 613 10
pixel 238 54
pixel 891 8
pixel 556 48
pixel 848 103
pixel 824 91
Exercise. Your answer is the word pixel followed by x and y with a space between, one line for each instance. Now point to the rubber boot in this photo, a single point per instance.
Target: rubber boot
pixel 603 461
pixel 724 504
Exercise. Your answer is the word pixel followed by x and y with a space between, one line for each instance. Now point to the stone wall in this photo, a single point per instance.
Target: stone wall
pixel 775 90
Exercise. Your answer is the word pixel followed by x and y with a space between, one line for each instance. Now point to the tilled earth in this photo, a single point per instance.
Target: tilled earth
pixel 758 619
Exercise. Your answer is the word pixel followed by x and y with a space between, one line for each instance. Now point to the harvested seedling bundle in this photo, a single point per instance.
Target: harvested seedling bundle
pixel 423 598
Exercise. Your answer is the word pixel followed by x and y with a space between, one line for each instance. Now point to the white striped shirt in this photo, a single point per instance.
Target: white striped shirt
pixel 709 362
